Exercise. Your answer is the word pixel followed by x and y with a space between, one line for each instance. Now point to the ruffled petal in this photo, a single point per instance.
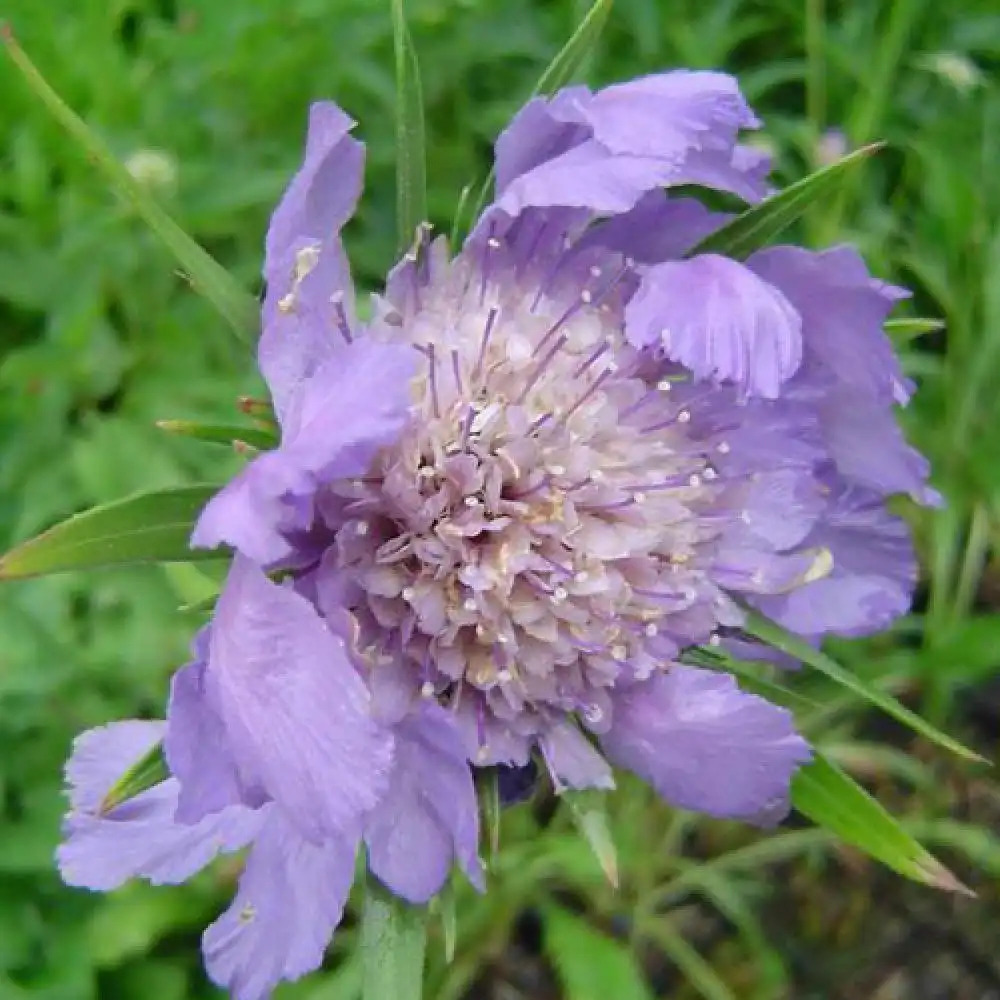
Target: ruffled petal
pixel 843 310
pixel 140 837
pixel 303 237
pixel 873 576
pixel 334 426
pixel 603 151
pixel 572 760
pixel 429 815
pixel 291 898
pixel 295 710
pixel 868 446
pixel 658 228
pixel 718 319
pixel 706 745
pixel 198 752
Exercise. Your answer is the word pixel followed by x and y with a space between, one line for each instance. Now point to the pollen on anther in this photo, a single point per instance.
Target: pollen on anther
pixel 638 497
pixel 684 417
pixel 714 639
pixel 722 447
pixel 694 480
pixel 586 296
pixel 493 243
pixel 361 528
pixel 619 652
pixel 560 594
pixel 407 593
pixel 505 676
pixel 427 690
pixel 664 385
pixel 651 629
pixel 469 604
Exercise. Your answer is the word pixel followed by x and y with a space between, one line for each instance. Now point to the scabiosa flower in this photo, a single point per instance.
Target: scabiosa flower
pixel 502 508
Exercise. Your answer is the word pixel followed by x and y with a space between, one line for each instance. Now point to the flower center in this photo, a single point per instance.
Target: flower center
pixel 533 534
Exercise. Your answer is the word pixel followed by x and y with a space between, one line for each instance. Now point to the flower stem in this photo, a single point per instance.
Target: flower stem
pixel 393 937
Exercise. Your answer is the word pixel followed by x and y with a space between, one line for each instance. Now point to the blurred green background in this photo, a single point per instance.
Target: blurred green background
pixel 99 337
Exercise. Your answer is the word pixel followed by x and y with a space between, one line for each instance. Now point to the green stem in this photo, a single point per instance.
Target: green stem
pixel 393 938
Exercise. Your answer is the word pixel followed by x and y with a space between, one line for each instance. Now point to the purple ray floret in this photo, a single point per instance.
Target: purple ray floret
pixel 502 509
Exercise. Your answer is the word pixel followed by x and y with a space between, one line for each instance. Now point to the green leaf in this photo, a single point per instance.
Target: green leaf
pixel 234 303
pixel 393 941
pixel 225 434
pixel 146 527
pixel 773 634
pixel 591 965
pixel 146 772
pixel 836 802
pixel 574 53
pixel 910 327
pixel 559 72
pixel 716 659
pixel 411 156
pixel 589 812
pixel 490 810
pixel 758 225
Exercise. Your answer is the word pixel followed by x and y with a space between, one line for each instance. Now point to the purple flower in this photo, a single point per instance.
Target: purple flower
pixel 500 511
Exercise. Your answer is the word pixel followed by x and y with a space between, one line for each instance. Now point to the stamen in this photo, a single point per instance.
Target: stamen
pixel 574 307
pixel 540 368
pixel 584 365
pixel 490 321
pixel 594 386
pixel 432 379
pixel 456 368
pixel 337 300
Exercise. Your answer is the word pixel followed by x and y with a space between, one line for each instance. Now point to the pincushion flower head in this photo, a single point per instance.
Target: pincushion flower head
pixel 502 508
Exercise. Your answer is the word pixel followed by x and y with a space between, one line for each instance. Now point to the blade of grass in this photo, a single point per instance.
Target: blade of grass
pixel 758 225
pixel 836 802
pixel 411 152
pixel 559 72
pixel 207 276
pixel 773 634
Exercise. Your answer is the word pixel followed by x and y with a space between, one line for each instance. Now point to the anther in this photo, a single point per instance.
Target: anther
pixel 427 690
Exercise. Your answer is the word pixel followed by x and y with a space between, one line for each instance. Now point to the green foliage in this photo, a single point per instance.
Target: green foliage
pixel 100 338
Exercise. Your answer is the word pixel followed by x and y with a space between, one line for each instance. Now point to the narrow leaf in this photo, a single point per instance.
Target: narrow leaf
pixel 758 225
pixel 716 659
pixel 237 306
pixel 910 327
pixel 591 965
pixel 150 770
pixel 488 792
pixel 589 813
pixel 574 53
pixel 146 527
pixel 773 634
pixel 558 73
pixel 224 434
pixel 836 802
pixel 449 920
pixel 393 940
pixel 411 162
